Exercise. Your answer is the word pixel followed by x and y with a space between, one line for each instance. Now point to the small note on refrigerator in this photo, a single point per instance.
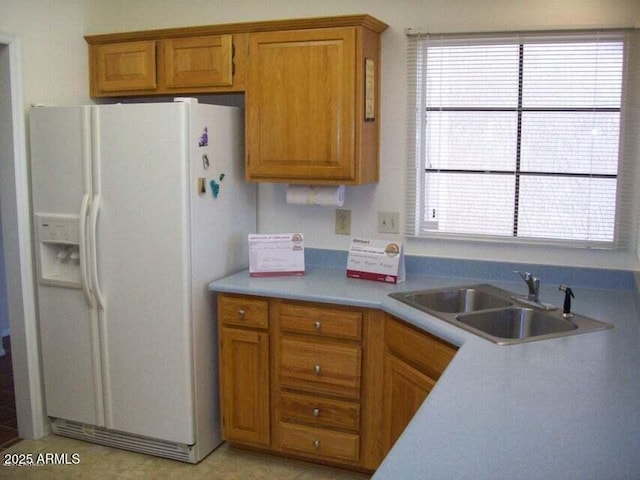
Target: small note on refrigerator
pixel 278 254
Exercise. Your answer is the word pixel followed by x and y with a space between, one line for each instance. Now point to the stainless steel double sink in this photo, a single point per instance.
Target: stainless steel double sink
pixel 496 314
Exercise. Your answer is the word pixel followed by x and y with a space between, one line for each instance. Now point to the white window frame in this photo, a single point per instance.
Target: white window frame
pixel 626 222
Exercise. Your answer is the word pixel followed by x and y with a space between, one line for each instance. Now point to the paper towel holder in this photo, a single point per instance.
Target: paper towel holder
pixel 323 195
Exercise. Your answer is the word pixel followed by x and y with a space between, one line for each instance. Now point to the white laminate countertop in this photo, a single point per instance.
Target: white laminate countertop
pixel 566 408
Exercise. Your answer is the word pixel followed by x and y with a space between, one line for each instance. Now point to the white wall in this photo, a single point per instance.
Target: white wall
pixel 317 223
pixel 54 60
pixel 55 70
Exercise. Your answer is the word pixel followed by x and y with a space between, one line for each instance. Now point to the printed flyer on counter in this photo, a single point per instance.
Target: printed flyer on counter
pixel 277 254
pixel 378 260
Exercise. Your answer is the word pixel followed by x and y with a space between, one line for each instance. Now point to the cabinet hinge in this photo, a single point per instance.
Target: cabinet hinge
pixel 233 59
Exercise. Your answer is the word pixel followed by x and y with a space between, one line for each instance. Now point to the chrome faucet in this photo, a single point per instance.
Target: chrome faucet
pixel 533 284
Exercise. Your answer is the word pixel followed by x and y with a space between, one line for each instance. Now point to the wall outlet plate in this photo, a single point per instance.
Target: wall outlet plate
pixel 343 221
pixel 388 222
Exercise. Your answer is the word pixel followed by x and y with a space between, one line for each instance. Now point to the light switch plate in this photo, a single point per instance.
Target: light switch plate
pixel 343 221
pixel 388 222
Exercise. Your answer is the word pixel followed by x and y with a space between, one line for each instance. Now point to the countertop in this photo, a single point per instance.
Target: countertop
pixel 566 408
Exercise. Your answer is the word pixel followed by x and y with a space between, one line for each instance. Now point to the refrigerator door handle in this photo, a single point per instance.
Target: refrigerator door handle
pixel 84 258
pixel 93 228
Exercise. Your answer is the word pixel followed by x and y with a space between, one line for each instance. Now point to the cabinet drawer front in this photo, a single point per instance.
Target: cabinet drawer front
pixel 243 311
pixel 324 322
pixel 321 412
pixel 321 367
pixel 199 61
pixel 320 443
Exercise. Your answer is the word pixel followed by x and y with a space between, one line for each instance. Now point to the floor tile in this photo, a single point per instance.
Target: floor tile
pixel 225 463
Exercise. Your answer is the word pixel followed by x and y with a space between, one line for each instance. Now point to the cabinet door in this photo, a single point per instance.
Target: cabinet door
pixel 301 105
pixel 244 385
pixel 199 61
pixel 123 67
pixel 405 388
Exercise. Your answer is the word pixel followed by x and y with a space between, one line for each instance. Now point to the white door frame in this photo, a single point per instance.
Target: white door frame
pixel 18 247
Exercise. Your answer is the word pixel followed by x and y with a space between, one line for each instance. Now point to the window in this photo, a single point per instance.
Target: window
pixel 518 137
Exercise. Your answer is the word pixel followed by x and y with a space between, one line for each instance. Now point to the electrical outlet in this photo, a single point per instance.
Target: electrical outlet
pixel 388 222
pixel 343 221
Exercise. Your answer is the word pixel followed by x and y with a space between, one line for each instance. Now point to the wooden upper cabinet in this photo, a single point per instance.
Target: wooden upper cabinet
pixel 124 66
pixel 305 101
pixel 167 66
pixel 312 85
pixel 199 61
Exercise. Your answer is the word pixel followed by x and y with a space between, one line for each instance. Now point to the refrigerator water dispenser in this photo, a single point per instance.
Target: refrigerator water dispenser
pixel 58 250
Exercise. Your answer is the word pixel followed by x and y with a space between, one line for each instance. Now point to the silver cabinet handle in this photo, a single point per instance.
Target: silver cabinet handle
pixel 317 369
pixel 316 444
pixel 317 325
pixel 316 412
pixel 241 313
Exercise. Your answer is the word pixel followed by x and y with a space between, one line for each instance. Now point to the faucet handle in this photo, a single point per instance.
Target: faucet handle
pixel 526 276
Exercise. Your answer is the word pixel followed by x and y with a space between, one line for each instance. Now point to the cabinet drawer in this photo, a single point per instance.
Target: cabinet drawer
pixel 320 367
pixel 321 321
pixel 321 412
pixel 243 311
pixel 320 443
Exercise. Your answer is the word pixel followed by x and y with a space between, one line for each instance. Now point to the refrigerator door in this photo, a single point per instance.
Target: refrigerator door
pixel 221 218
pixel 61 179
pixel 143 255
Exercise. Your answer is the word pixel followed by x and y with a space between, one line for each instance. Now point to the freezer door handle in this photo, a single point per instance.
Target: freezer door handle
pixel 84 258
pixel 93 230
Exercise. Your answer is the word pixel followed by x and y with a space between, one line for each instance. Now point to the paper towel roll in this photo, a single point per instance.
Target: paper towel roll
pixel 315 195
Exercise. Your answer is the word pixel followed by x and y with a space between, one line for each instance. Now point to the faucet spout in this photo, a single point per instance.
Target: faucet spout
pixel 533 284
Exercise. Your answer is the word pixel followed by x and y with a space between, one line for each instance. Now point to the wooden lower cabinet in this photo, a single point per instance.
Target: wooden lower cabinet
pixel 326 383
pixel 405 388
pixel 244 373
pixel 317 381
pixel 413 363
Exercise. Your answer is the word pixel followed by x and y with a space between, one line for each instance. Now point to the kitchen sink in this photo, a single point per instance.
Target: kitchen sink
pixel 496 315
pixel 516 322
pixel 455 300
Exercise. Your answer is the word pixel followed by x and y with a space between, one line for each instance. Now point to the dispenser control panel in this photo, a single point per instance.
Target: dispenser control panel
pixel 58 252
pixel 58 229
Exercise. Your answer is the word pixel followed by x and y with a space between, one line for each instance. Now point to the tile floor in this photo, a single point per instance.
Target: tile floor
pixel 8 422
pixel 98 462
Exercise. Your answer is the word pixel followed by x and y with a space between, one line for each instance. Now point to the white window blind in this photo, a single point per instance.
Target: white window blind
pixel 518 137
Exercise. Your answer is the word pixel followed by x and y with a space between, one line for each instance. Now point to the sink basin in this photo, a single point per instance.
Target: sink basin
pixel 518 323
pixel 454 300
pixel 496 314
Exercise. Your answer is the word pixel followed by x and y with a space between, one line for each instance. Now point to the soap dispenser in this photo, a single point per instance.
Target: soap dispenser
pixel 568 295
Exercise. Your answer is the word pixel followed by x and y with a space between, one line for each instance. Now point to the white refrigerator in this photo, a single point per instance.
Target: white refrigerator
pixel 136 208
